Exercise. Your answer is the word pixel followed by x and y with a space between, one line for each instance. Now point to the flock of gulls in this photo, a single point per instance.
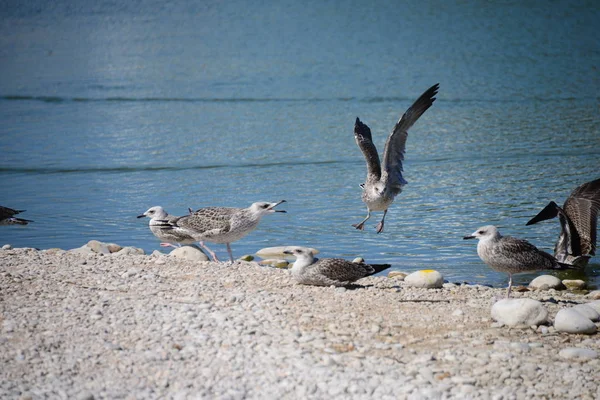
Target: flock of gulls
pixel 384 181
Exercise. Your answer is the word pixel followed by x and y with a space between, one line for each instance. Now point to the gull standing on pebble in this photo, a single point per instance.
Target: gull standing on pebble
pixel 222 224
pixel 384 181
pixel 308 270
pixel 511 255
pixel 162 230
pixel 7 217
pixel 578 219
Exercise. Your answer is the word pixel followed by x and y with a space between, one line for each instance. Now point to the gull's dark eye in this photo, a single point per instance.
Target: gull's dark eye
pixel 481 232
pixel 265 206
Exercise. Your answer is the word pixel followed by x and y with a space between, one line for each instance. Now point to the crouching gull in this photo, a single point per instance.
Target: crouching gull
pixel 511 255
pixel 578 219
pixel 308 270
pixel 221 224
pixel 7 217
pixel 384 181
pixel 168 237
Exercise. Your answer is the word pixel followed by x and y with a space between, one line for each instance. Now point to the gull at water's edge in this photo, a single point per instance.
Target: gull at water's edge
pixel 384 181
pixel 222 224
pixel 511 255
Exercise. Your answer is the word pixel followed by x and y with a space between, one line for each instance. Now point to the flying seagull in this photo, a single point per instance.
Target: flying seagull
pixel 7 217
pixel 221 224
pixel 511 255
pixel 308 270
pixel 578 219
pixel 384 180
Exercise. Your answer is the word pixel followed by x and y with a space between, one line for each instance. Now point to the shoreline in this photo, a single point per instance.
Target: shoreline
pixel 147 326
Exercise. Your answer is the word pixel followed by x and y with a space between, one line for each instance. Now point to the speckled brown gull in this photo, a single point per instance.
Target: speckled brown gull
pixel 158 224
pixel 222 224
pixel 511 255
pixel 308 270
pixel 384 181
pixel 7 217
pixel 578 219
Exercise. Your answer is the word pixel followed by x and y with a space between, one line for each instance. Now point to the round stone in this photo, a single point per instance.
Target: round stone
pixel 570 321
pixel 189 253
pixel 587 311
pixel 397 275
pixel 546 282
pixel 519 312
pixel 574 284
pixel 273 262
pixel 576 353
pixel 427 278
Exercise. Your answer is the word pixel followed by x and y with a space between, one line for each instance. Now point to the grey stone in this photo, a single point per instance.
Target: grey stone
pixel 570 321
pixel 6 247
pixel 576 353
pixel 189 253
pixel 519 312
pixel 574 284
pixel 587 311
pixel 546 282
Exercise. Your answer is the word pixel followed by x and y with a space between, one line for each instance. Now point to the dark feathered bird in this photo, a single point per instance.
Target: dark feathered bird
pixel 578 219
pixel 7 217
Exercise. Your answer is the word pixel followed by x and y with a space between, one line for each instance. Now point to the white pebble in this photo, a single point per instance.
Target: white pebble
pixel 570 321
pixel 428 278
pixel 576 353
pixel 517 312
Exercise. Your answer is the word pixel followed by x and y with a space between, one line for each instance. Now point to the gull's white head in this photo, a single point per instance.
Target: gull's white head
pixel 485 233
pixel 156 212
pixel 304 257
pixel 263 208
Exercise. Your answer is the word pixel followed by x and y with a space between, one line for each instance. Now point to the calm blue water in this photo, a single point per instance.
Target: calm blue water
pixel 108 109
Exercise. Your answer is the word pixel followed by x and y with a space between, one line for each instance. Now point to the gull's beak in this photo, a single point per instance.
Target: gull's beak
pixel 141 216
pixel 469 237
pixel 275 205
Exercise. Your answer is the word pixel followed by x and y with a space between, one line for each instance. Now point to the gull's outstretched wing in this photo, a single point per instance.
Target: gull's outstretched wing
pixel 582 207
pixel 393 154
pixel 362 134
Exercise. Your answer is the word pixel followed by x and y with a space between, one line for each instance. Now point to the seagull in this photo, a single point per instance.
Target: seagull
pixel 308 270
pixel 7 217
pixel 221 224
pixel 384 180
pixel 578 219
pixel 161 230
pixel 511 255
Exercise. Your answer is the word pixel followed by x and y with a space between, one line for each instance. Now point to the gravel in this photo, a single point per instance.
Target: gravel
pixel 91 326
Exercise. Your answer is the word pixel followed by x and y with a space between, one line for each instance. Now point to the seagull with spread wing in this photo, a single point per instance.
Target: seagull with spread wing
pixel 578 219
pixel 384 180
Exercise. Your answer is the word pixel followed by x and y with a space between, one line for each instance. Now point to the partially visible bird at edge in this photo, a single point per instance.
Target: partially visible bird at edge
pixel 7 217
pixel 578 219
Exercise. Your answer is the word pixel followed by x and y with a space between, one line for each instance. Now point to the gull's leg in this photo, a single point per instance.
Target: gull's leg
pixel 212 253
pixel 379 226
pixel 509 285
pixel 168 245
pixel 230 253
pixel 361 224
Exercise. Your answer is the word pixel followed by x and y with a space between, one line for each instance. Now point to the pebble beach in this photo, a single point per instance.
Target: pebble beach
pixel 83 325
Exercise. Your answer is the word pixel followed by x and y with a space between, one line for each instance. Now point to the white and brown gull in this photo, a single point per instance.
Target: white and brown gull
pixel 578 219
pixel 7 217
pixel 221 224
pixel 384 180
pixel 159 226
pixel 511 255
pixel 308 270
